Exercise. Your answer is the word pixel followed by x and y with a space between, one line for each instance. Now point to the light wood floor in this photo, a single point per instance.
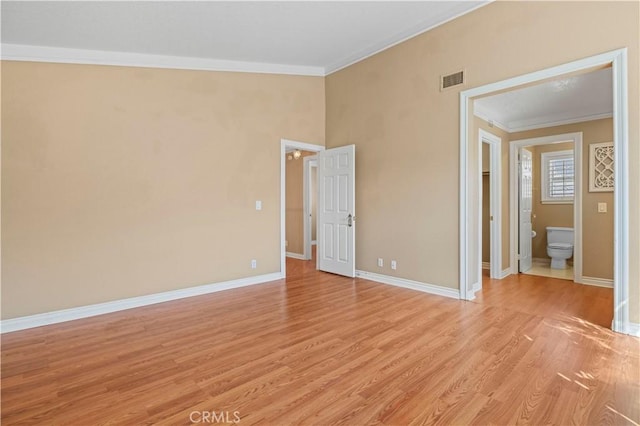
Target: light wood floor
pixel 321 349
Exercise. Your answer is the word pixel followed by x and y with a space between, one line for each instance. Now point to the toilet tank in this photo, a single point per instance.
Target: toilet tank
pixel 557 234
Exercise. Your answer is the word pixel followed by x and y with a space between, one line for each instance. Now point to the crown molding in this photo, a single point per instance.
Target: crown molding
pixel 552 123
pixel 491 122
pixel 394 40
pixel 29 53
pixel 541 124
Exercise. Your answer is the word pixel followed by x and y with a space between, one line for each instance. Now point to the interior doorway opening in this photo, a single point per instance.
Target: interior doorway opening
pixel 561 213
pixel 292 146
pixel 490 236
pixel 470 248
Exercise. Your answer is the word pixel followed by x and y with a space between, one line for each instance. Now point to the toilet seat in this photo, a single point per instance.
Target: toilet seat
pixel 562 246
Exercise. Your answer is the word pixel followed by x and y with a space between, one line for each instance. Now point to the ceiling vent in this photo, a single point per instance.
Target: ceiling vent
pixel 451 80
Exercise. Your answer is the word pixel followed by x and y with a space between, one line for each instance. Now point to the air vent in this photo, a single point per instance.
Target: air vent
pixel 451 80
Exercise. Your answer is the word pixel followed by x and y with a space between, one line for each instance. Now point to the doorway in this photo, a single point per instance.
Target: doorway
pixel 288 145
pixel 470 249
pixel 559 204
pixel 310 210
pixel 336 207
pixel 491 211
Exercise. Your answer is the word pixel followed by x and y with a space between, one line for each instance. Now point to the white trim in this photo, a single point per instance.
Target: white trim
pixel 591 117
pixel 38 320
pixel 22 52
pixel 296 256
pixel 633 329
pixel 410 284
pixel 464 234
pixel 284 145
pixel 506 272
pixel 495 185
pixel 32 53
pixel 598 282
pixel 545 159
pixel 618 61
pixel 392 41
pixel 491 122
pixel 620 194
pixel 309 162
pixel 314 242
pixel 514 129
pixel 514 148
pixel 486 265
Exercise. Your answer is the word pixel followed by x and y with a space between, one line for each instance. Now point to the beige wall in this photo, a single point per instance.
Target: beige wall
pixel 294 229
pixel 120 182
pixel 407 130
pixel 597 228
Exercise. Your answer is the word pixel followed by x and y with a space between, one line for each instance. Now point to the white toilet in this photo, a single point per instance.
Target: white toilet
pixel 559 246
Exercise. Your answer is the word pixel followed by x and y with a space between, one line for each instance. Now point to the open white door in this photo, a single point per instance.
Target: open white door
pixel 525 205
pixel 336 211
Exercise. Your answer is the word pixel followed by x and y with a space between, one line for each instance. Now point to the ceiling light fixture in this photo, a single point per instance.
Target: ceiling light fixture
pixel 297 154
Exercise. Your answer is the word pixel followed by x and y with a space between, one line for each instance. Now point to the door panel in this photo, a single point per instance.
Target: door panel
pixel 336 210
pixel 525 207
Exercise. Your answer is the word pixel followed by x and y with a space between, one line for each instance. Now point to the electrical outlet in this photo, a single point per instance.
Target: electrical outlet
pixel 380 262
pixel 254 264
pixel 258 205
pixel 602 207
pixel 394 265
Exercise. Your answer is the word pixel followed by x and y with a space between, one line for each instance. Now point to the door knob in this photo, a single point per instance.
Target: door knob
pixel 350 220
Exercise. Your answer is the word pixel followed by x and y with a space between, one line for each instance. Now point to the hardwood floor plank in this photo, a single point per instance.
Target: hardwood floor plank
pixel 322 349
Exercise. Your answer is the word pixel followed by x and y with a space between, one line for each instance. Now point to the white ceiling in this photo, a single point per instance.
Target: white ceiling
pixel 316 37
pixel 568 100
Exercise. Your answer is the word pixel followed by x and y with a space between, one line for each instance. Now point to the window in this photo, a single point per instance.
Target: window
pixel 557 177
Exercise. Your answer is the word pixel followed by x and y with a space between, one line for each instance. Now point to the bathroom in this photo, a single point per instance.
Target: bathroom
pixel 551 121
pixel 596 209
pixel 552 211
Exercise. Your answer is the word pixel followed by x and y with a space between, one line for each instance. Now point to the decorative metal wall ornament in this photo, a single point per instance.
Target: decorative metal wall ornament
pixel 601 167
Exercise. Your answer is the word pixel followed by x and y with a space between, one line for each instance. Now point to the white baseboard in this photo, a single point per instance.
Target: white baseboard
pixel 632 328
pixel 599 282
pixel 486 265
pixel 505 273
pixel 475 287
pixel 296 256
pixel 37 320
pixel 413 285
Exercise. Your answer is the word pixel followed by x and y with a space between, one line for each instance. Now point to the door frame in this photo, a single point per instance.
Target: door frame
pixel 514 211
pixel 495 203
pixel 468 260
pixel 309 163
pixel 284 145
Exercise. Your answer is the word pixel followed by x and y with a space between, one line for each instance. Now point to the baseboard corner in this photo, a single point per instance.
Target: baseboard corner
pixel 505 273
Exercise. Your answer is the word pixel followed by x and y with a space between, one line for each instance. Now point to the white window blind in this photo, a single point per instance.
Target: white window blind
pixel 558 177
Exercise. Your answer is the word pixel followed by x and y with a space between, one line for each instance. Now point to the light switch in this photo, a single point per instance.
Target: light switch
pixel 602 207
pixel 258 205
